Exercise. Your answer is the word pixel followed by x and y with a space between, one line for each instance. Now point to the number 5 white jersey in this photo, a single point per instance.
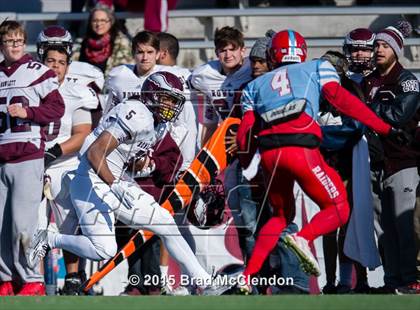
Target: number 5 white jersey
pixel 123 83
pixel 132 125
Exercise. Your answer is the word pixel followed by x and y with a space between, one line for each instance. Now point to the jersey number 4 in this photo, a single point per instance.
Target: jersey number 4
pixel 281 82
pixel 15 124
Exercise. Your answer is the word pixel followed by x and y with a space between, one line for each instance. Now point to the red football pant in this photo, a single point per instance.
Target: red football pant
pixel 282 167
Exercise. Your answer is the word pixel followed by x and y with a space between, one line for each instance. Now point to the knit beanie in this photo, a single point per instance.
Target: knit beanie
pixel 394 36
pixel 259 49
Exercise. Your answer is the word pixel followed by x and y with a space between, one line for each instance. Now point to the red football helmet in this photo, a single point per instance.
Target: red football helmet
pixel 287 46
pixel 359 39
pixel 162 93
pixel 54 36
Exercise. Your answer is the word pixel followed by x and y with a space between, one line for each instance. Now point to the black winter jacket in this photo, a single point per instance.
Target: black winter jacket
pixel 397 102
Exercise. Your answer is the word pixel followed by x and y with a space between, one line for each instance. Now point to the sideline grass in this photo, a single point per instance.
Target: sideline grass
pixel 359 302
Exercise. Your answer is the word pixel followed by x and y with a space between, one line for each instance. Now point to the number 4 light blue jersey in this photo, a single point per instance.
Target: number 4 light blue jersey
pixel 287 99
pixel 285 103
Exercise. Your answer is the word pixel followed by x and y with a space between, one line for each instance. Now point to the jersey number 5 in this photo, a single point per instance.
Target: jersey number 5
pixel 281 82
pixel 130 115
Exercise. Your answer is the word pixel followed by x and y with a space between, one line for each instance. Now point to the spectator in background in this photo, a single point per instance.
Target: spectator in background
pixel 78 72
pixel 360 244
pixel 219 80
pixel 393 93
pixel 155 11
pixel 358 49
pixel 168 48
pixel 64 139
pixel 104 46
pixel 340 134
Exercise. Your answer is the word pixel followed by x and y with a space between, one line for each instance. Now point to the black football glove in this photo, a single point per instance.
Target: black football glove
pixel 400 136
pixel 52 154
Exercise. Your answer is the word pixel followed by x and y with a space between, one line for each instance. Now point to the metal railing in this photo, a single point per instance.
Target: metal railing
pixel 312 42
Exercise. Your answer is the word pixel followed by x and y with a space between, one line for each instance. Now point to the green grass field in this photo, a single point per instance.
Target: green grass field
pixel 358 302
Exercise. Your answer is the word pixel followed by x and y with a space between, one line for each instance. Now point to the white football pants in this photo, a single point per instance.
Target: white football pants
pixel 97 208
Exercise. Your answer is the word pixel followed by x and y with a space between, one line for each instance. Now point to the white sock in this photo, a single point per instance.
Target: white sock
pixel 179 249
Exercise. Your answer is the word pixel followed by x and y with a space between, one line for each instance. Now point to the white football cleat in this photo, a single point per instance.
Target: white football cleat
pixel 179 291
pixel 303 252
pixel 38 248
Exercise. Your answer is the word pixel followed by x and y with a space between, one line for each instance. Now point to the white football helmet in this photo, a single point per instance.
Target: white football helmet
pixel 54 36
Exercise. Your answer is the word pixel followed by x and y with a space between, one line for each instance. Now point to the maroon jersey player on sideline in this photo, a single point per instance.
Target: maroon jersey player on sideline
pixel 29 100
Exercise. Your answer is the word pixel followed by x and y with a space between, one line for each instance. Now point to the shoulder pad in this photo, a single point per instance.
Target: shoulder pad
pixel 85 97
pixel 205 72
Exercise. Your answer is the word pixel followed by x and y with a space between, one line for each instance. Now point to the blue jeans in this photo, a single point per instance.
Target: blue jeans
pixel 243 207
